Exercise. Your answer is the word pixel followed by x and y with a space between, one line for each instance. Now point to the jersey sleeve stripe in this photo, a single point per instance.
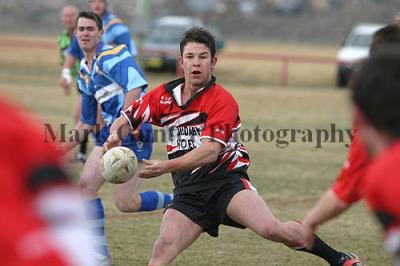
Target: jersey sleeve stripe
pixel 113 51
pixel 127 118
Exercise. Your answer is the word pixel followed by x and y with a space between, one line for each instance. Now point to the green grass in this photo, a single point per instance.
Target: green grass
pixel 290 179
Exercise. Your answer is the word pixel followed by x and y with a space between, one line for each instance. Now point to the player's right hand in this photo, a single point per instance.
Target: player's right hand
pixel 65 85
pixel 112 141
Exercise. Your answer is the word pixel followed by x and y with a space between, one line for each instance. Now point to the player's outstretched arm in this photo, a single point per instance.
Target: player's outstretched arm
pixel 205 154
pixel 328 207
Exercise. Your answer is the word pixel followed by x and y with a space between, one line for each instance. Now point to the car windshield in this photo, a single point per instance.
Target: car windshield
pixel 166 34
pixel 359 40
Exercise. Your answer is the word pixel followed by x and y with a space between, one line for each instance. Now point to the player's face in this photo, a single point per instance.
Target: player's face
pixel 68 18
pixel 197 63
pixel 97 6
pixel 88 34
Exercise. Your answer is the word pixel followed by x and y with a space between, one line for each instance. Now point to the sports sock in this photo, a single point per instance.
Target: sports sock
pixel 324 251
pixel 154 200
pixel 95 215
pixel 83 146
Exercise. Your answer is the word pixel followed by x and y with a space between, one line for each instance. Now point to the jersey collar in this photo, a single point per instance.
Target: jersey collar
pixel 170 86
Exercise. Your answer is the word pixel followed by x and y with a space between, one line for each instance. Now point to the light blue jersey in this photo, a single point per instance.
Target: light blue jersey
pixel 116 32
pixel 113 73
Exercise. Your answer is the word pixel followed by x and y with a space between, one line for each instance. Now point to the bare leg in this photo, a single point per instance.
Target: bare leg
pixel 91 180
pixel 177 232
pixel 250 210
pixel 127 197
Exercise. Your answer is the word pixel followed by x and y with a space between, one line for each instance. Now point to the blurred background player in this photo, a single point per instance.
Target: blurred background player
pixel 42 220
pixel 115 33
pixel 68 18
pixel 109 76
pixel 348 187
pixel 376 110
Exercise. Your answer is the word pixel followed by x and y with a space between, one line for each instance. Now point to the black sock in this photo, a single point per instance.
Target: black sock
pixel 83 146
pixel 324 251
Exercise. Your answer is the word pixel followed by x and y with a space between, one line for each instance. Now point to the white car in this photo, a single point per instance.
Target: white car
pixel 355 48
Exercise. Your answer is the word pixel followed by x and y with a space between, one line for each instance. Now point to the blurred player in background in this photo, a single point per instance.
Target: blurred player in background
pixel 109 76
pixel 376 97
pixel 208 167
pixel 115 33
pixel 42 220
pixel 68 18
pixel 348 187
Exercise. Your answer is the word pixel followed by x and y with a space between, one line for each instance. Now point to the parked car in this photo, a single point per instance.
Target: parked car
pixel 355 48
pixel 160 48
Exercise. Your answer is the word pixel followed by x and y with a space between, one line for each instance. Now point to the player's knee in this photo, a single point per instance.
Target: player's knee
pixel 87 189
pixel 125 204
pixel 162 244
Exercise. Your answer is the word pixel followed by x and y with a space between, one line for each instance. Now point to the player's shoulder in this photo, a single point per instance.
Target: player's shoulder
pixel 219 93
pixel 159 91
pixel 108 52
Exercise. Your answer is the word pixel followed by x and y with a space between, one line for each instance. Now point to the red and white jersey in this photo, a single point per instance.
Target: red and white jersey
pixel 212 113
pixel 31 173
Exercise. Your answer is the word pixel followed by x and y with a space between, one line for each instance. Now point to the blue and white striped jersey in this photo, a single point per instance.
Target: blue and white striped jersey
pixel 116 32
pixel 113 73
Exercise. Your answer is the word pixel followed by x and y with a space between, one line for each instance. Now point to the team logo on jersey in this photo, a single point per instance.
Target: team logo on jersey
pixel 220 131
pixel 165 100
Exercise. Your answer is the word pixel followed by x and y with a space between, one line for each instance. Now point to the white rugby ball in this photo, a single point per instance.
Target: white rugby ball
pixel 118 165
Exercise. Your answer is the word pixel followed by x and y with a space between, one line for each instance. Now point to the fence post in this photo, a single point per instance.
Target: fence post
pixel 285 71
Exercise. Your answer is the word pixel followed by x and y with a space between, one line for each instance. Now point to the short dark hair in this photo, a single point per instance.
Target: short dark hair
pixel 91 15
pixel 376 90
pixel 390 34
pixel 198 35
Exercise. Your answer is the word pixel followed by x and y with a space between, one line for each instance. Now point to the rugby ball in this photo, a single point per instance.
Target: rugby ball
pixel 118 165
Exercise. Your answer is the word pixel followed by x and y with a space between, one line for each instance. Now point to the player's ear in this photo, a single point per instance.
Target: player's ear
pixel 213 62
pixel 358 116
pixel 180 61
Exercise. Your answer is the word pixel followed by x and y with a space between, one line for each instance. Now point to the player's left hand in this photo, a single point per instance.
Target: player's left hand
pixel 153 168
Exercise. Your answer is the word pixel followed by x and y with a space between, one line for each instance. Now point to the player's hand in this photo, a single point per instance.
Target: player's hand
pixel 308 235
pixel 136 133
pixel 112 141
pixel 65 85
pixel 153 168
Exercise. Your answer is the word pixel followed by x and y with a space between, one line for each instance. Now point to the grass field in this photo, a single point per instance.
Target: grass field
pixel 290 179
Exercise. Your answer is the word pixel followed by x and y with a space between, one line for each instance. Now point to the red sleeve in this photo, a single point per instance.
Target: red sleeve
pixel 144 109
pixel 349 184
pixel 382 185
pixel 222 118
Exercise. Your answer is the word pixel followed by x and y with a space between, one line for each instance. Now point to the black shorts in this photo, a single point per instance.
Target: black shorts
pixel 207 208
